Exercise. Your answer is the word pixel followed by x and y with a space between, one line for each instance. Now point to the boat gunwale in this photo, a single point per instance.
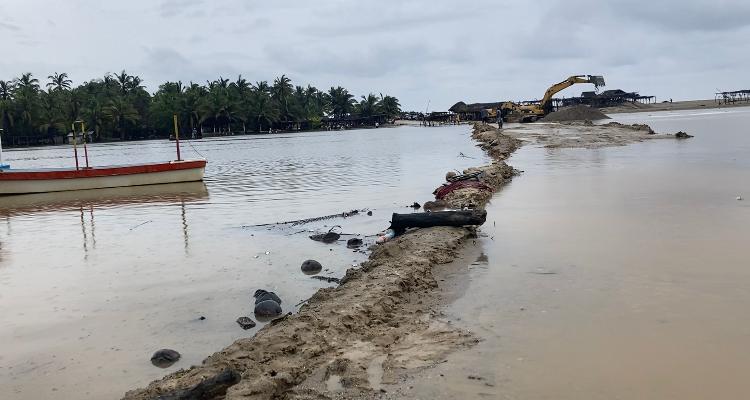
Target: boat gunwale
pixel 98 171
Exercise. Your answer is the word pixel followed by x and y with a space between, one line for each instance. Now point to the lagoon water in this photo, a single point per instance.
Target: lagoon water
pixel 615 273
pixel 92 283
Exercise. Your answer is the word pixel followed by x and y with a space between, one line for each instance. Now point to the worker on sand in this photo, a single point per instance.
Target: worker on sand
pixel 499 120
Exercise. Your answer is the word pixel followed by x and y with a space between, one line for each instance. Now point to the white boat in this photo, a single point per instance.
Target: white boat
pixel 22 181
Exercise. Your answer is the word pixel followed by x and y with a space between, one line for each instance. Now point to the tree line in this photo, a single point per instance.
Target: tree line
pixel 118 107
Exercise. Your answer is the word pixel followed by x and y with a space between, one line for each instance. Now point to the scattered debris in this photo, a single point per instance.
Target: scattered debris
pixel 446 189
pixel 682 135
pixel 139 225
pixel 328 237
pixel 165 358
pixel 385 236
pixel 328 279
pixel 311 267
pixel 246 323
pixel 463 177
pixel 354 243
pixel 435 205
pixel 416 206
pixel 369 213
pixel 739 198
pixel 201 318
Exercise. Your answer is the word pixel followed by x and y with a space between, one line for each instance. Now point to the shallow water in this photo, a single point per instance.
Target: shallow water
pixel 617 273
pixel 92 283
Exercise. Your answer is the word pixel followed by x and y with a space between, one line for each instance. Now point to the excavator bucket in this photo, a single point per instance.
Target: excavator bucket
pixel 597 80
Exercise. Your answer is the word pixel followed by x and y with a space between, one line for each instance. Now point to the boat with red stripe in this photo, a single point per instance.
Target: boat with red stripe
pixel 23 181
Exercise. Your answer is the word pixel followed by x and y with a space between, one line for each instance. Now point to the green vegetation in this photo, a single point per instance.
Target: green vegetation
pixel 118 107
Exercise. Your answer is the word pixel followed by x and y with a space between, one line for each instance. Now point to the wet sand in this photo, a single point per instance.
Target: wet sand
pixel 609 273
pixel 353 338
pixel 379 326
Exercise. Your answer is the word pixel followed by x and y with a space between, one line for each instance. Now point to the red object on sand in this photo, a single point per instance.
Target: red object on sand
pixel 443 191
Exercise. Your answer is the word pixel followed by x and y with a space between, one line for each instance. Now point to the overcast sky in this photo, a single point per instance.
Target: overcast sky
pixel 419 51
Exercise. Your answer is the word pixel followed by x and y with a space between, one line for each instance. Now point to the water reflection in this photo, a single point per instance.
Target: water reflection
pixel 101 198
pixel 86 202
pixel 134 268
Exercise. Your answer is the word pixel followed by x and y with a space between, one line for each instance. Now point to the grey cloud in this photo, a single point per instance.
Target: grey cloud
pixel 417 50
pixel 173 8
pixel 9 27
pixel 714 15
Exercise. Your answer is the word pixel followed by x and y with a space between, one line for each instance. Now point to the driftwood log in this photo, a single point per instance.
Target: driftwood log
pixel 400 222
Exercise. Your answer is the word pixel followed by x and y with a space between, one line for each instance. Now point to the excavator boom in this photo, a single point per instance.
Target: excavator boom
pixel 597 80
pixel 530 113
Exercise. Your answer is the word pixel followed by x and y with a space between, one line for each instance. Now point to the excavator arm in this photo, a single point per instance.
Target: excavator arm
pixel 530 113
pixel 597 80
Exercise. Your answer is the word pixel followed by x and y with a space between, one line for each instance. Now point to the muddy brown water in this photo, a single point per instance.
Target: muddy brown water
pixel 92 283
pixel 614 273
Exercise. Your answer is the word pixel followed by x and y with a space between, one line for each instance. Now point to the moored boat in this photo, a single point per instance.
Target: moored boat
pixel 21 181
pixel 24 181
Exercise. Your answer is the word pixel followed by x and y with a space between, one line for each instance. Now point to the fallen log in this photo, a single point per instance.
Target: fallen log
pixel 400 222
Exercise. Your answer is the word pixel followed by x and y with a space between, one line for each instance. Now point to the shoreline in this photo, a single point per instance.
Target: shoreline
pixel 674 106
pixel 384 319
pixel 385 310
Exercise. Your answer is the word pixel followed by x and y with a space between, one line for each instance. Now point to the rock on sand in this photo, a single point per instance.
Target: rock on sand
pixel 262 295
pixel 268 309
pixel 164 358
pixel 311 267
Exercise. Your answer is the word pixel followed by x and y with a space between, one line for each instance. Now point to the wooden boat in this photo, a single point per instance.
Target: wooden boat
pixel 23 181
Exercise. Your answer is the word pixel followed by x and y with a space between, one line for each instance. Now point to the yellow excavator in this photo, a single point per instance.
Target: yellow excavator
pixel 530 113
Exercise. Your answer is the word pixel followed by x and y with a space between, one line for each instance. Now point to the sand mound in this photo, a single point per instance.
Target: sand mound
pixel 575 113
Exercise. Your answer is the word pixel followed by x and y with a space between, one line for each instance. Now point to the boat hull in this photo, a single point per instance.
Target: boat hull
pixel 43 181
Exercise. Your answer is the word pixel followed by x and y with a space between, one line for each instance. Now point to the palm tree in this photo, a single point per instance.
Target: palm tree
pixel 368 106
pixel 6 106
pixel 123 81
pixel 342 102
pixel 120 112
pixel 281 91
pixel 27 82
pixel 59 82
pixel 389 106
pixel 263 109
pixel 93 114
pixel 262 87
pixel 51 117
pixel 136 83
pixel 191 104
